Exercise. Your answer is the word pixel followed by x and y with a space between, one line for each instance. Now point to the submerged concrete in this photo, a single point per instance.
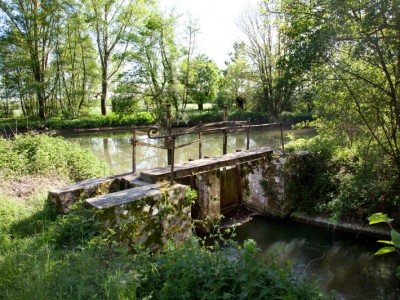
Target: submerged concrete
pixel 376 230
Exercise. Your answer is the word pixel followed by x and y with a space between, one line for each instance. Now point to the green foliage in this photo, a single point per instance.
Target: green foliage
pixel 193 272
pixel 191 196
pixel 194 117
pixel 295 117
pixel 92 121
pixel 394 234
pixel 313 171
pixel 343 182
pixel 124 103
pixel 43 155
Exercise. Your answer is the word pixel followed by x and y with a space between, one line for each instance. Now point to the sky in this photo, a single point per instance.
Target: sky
pixel 217 21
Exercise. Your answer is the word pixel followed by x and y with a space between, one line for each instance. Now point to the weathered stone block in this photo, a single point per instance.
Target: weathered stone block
pixel 263 183
pixel 64 198
pixel 208 204
pixel 150 215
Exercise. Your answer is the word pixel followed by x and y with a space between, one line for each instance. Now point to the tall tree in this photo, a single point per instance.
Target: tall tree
pixel 32 27
pixel 114 23
pixel 75 66
pixel 186 69
pixel 205 80
pixel 267 48
pixel 238 75
pixel 154 65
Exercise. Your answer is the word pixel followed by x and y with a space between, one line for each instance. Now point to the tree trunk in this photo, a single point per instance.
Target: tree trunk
pixel 200 105
pixel 104 90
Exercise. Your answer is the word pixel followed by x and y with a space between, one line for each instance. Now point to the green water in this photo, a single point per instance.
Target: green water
pixel 115 147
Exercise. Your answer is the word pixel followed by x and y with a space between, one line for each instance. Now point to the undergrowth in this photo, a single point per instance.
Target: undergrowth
pixel 340 181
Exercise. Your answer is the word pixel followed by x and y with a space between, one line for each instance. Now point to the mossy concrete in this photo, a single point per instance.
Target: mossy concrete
pixel 264 186
pixel 64 198
pixel 150 215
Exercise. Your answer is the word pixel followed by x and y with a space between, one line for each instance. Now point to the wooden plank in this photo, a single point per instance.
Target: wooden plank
pixel 204 164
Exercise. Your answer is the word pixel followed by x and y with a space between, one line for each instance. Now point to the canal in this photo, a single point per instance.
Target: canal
pixel 339 261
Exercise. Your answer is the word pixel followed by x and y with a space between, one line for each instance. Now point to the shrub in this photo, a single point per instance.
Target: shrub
pixel 343 182
pixel 43 155
pixel 92 121
pixel 193 272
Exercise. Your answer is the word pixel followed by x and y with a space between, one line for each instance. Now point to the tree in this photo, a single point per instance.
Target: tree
pixel 238 76
pixel 186 69
pixel 32 28
pixel 267 48
pixel 75 66
pixel 205 80
pixel 114 23
pixel 358 41
pixel 153 64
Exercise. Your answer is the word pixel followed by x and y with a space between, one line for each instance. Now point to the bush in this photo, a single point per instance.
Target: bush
pixel 31 154
pixel 342 182
pixel 295 117
pixel 193 272
pixel 93 121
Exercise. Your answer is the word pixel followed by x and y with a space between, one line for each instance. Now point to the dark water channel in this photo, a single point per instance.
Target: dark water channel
pixel 339 261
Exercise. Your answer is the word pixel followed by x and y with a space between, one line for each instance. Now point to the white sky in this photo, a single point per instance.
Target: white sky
pixel 217 21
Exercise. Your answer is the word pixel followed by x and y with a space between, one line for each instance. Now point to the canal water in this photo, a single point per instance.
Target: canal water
pixel 339 261
pixel 115 147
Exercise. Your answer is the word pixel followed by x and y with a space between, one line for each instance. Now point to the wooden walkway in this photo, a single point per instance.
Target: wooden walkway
pixel 204 164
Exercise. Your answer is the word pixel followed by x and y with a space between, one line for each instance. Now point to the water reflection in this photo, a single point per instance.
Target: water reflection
pixel 115 147
pixel 339 261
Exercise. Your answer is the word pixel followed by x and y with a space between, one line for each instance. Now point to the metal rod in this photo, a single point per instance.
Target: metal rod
pixel 282 142
pixel 238 182
pixel 200 145
pixel 169 130
pixel 133 142
pixel 225 133
pixel 248 136
pixel 172 161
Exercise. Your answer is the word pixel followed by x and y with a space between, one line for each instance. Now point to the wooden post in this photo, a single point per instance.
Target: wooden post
pixel 133 142
pixel 225 133
pixel 282 143
pixel 225 113
pixel 169 130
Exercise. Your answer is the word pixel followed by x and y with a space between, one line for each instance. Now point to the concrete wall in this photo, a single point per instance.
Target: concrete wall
pixel 264 186
pixel 150 215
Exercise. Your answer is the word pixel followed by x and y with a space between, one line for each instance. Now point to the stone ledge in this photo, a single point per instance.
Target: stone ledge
pixel 150 215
